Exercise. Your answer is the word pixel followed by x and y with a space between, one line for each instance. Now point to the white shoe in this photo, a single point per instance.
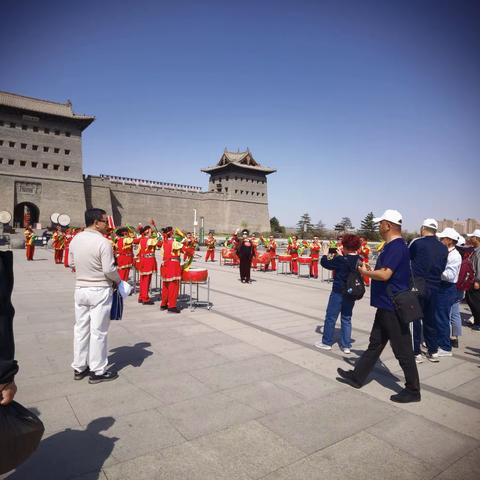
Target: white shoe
pixel 470 321
pixel 432 357
pixel 418 358
pixel 323 346
pixel 444 353
pixel 346 351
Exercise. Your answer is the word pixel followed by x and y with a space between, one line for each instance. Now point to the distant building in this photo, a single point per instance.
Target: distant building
pixel 461 226
pixel 41 173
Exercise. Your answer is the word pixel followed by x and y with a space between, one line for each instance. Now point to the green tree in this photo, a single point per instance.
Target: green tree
pixel 369 229
pixel 305 227
pixel 275 227
pixel 343 225
pixel 320 230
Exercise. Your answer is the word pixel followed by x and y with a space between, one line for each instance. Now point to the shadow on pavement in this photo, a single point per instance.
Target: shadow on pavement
pixel 69 453
pixel 135 355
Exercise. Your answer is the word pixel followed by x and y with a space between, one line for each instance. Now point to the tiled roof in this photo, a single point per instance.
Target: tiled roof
pixel 239 159
pixel 42 106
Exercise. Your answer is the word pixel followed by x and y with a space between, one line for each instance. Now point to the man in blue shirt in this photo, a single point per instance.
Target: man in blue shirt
pixel 391 275
pixel 429 258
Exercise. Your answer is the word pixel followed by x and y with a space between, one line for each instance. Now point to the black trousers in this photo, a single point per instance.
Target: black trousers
pixel 245 266
pixel 473 300
pixel 387 327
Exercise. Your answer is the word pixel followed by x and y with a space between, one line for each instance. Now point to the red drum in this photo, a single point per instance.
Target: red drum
pixel 228 253
pixel 284 258
pixel 264 258
pixel 304 260
pixel 195 275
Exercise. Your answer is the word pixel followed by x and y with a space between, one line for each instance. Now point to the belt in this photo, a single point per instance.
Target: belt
pixel 176 259
pixel 148 255
pixel 125 255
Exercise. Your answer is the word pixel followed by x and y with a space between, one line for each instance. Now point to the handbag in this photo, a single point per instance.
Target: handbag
pixel 407 302
pixel 116 311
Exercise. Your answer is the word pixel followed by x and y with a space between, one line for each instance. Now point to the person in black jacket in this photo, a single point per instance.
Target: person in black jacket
pixel 339 303
pixel 245 252
pixel 8 366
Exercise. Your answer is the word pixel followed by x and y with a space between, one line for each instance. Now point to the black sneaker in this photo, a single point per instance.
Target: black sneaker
pixel 106 377
pixel 163 307
pixel 174 310
pixel 346 376
pixel 406 396
pixel 150 302
pixel 80 375
pixel 319 329
pixel 454 342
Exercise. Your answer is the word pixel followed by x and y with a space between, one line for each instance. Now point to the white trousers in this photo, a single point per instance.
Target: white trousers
pixel 92 318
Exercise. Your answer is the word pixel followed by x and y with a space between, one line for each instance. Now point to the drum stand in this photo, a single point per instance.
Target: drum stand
pixel 285 267
pixel 300 265
pixel 195 301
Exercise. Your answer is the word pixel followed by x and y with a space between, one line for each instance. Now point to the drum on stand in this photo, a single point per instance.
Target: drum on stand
pixel 5 217
pixel 54 217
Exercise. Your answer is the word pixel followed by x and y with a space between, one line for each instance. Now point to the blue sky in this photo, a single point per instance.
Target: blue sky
pixel 360 106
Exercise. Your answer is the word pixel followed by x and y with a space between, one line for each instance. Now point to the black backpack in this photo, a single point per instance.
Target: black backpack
pixel 354 285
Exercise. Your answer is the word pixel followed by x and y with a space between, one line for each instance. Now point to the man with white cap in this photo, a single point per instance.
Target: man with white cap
pixel 473 295
pixel 447 293
pixel 428 259
pixel 391 275
pixel 455 317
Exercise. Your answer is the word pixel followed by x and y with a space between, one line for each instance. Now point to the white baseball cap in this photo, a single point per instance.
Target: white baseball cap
pixel 475 233
pixel 461 241
pixel 449 232
pixel 392 216
pixel 430 223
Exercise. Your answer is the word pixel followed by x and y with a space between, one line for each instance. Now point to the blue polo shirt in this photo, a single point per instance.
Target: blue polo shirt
pixel 394 256
pixel 429 259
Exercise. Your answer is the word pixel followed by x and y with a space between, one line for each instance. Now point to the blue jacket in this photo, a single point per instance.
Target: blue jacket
pixel 428 257
pixel 342 265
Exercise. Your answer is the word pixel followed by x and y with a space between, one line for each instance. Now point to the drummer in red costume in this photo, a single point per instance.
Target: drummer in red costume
pixel 254 241
pixel 271 247
pixel 210 243
pixel 171 271
pixel 189 245
pixel 292 250
pixel 364 252
pixel 315 248
pixel 58 243
pixel 29 242
pixel 124 252
pixel 146 263
pixel 234 242
pixel 68 239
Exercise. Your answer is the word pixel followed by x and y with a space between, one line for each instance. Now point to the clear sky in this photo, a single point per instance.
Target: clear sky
pixel 359 105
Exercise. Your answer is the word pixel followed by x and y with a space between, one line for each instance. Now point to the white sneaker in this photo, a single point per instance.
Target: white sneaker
pixel 432 357
pixel 470 321
pixel 322 345
pixel 444 353
pixel 346 351
pixel 418 358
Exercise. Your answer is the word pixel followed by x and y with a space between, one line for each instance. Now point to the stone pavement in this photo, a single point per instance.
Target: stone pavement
pixel 237 392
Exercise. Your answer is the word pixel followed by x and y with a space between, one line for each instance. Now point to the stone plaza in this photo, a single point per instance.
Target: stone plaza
pixel 235 392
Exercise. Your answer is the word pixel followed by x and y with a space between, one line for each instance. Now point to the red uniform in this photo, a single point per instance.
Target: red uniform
pixel 146 265
pixel 171 272
pixel 29 244
pixel 272 251
pixel 68 239
pixel 234 242
pixel 188 248
pixel 58 242
pixel 292 250
pixel 124 254
pixel 315 255
pixel 255 252
pixel 364 252
pixel 210 243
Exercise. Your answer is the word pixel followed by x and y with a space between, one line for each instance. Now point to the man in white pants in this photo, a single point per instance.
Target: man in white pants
pixel 92 256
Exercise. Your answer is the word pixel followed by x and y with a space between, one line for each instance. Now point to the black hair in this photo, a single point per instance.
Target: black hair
pixel 93 214
pixel 122 230
pixel 167 229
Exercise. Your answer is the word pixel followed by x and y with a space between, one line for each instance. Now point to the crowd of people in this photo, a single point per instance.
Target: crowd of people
pixel 443 267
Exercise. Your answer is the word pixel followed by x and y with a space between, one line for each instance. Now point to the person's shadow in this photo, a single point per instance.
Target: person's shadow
pixel 69 454
pixel 135 355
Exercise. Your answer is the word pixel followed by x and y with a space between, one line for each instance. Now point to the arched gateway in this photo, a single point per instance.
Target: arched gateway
pixel 25 213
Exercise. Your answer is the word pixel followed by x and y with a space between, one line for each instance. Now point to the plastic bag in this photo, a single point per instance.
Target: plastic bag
pixel 116 311
pixel 20 433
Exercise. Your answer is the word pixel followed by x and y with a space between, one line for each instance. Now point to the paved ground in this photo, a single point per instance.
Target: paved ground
pixel 237 392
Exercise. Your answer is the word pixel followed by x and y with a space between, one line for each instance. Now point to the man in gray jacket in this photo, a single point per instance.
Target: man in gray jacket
pixel 92 255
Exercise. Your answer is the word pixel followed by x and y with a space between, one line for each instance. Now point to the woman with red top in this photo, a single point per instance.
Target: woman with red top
pixel 189 244
pixel 271 247
pixel 68 239
pixel 315 255
pixel 210 243
pixel 364 252
pixel 29 242
pixel 171 271
pixel 58 243
pixel 146 263
pixel 292 250
pixel 124 253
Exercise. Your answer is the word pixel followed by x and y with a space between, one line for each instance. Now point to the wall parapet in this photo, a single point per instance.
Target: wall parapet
pixel 150 183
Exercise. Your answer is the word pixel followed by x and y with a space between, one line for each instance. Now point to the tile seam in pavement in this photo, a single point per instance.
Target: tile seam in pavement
pixel 377 370
pixel 306 315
